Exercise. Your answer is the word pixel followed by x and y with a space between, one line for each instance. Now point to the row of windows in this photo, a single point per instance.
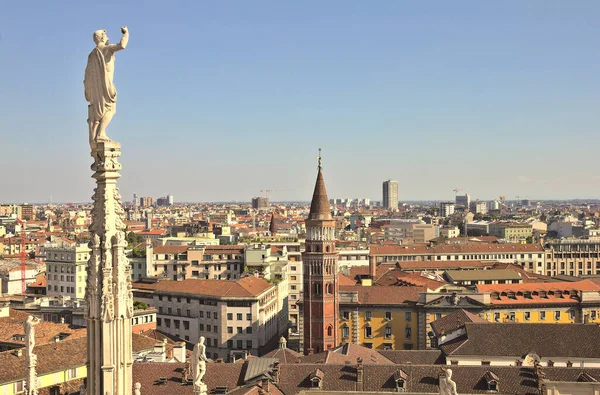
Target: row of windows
pixel 63 268
pixel 369 332
pixel 240 330
pixel 176 323
pixel 202 314
pixel 511 316
pixel 55 277
pixel 388 315
pixel 70 290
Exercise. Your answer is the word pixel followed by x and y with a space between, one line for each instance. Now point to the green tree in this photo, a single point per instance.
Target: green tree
pixel 138 305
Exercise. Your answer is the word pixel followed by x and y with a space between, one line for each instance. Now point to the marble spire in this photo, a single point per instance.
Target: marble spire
pixel 108 296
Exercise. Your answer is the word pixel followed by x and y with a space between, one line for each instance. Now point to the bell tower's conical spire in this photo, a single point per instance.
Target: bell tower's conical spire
pixel 319 206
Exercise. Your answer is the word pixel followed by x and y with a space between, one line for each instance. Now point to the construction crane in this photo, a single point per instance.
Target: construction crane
pixel 23 257
pixel 456 190
pixel 266 191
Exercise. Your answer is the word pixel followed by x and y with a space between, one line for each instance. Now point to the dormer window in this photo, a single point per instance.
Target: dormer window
pixel 316 379
pixel 400 378
pixel 492 381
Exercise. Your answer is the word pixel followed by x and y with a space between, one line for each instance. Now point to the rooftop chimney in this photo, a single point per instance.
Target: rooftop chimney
pixel 179 352
pixel 159 347
pixel 359 372
pixel 373 267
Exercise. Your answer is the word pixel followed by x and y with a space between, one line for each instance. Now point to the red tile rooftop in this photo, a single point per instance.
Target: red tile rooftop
pixel 470 248
pixel 245 287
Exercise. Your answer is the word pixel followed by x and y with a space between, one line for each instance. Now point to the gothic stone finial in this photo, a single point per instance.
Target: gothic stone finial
pixel 320 160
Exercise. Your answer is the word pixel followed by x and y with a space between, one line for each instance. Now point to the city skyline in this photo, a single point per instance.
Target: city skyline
pixel 484 97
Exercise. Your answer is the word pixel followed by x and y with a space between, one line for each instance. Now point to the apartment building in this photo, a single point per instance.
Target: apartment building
pixel 546 303
pixel 511 231
pixel 66 270
pixel 418 231
pixel 447 209
pixel 235 317
pixel 215 262
pixel 11 276
pixel 390 195
pixel 572 257
pixel 382 318
pixel 529 256
pixel 178 262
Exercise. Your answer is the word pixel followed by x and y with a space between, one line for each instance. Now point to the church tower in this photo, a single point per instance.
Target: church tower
pixel 320 266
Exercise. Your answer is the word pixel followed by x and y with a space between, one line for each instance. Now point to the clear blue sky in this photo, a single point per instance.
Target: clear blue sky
pixel 218 100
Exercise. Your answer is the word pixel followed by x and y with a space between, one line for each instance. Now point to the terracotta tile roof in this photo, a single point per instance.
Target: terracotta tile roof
pixel 56 356
pixel 583 285
pixel 284 355
pixel 454 321
pixel 345 280
pixel 45 332
pixel 443 265
pixel 246 287
pixel 423 379
pixel 538 293
pixel 346 354
pixel 217 375
pixel 152 232
pixel 384 295
pixel 169 249
pixel 469 248
pixel 527 277
pixel 512 339
pixel 401 278
pixel 225 249
pixel 416 357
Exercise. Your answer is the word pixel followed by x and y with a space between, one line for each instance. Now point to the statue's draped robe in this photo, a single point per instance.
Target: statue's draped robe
pixel 99 89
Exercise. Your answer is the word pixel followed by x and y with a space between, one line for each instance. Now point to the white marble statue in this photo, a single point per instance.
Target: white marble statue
pixel 30 334
pixel 100 90
pixel 447 385
pixel 136 389
pixel 198 363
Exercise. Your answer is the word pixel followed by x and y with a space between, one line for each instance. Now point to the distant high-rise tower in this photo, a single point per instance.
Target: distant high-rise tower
pixel 463 200
pixel 170 200
pixel 260 203
pixel 320 281
pixel 390 195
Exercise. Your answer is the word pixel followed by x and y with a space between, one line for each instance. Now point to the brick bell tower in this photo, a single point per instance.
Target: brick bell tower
pixel 320 282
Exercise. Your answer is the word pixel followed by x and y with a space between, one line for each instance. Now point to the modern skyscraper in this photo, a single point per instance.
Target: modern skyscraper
pixel 463 200
pixel 390 195
pixel 320 282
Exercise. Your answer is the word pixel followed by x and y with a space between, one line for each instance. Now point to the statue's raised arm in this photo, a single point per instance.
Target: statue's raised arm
pixel 99 87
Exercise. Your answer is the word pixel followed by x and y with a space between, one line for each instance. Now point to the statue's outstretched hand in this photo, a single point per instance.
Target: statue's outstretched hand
pixel 124 29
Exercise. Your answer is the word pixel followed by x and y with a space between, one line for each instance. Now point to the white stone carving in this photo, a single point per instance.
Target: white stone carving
pixel 31 381
pixel 198 366
pixel 99 87
pixel 447 385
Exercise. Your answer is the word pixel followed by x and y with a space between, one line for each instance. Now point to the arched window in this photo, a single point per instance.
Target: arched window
pixel 329 330
pixel 328 288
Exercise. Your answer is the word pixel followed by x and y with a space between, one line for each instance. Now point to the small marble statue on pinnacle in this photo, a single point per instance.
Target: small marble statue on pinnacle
pixel 100 90
pixel 198 364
